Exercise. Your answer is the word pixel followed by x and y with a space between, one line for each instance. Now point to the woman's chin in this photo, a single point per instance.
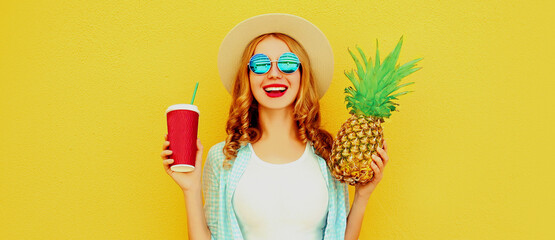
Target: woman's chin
pixel 276 105
pixel 283 102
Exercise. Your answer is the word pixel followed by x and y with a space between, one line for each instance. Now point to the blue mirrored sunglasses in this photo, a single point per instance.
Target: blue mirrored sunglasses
pixel 261 64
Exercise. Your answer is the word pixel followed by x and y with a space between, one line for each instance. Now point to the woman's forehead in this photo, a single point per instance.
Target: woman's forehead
pixel 271 46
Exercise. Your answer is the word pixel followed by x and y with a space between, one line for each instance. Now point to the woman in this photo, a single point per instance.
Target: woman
pixel 269 178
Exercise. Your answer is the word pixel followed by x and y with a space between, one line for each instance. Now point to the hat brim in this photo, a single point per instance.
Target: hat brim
pixel 304 32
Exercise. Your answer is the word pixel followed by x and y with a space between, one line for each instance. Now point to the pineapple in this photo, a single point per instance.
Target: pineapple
pixel 370 101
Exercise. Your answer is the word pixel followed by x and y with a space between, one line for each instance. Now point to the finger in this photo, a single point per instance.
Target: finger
pixel 167 163
pixel 378 161
pixel 166 137
pixel 383 155
pixel 166 153
pixel 375 168
pixel 384 145
pixel 166 145
pixel 198 161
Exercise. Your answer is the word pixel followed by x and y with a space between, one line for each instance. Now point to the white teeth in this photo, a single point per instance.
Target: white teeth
pixel 269 89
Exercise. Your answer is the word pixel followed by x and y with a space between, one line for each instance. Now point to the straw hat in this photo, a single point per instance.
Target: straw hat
pixel 304 32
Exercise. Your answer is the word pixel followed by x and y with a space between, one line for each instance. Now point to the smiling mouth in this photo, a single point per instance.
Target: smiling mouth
pixel 275 92
pixel 275 89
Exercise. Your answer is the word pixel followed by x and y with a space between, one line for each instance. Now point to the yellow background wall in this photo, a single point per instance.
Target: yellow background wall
pixel 84 87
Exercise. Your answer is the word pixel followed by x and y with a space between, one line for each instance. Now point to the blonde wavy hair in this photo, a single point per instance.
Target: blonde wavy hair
pixel 242 124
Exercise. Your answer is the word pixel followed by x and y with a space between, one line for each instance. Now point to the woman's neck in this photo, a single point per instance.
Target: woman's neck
pixel 277 125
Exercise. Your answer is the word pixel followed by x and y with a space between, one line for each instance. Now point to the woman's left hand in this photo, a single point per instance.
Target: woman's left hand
pixel 377 165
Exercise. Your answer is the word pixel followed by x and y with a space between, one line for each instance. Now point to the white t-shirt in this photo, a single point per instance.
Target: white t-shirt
pixel 282 201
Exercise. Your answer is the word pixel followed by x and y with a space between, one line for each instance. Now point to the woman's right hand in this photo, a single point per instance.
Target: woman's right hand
pixel 187 181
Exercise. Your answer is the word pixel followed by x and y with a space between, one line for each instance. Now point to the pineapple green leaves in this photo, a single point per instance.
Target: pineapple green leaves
pixel 374 83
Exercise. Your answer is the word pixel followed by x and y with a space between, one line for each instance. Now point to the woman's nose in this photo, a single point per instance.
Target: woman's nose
pixel 274 71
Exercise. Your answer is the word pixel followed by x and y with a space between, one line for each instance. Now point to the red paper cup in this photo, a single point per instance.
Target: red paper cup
pixel 182 122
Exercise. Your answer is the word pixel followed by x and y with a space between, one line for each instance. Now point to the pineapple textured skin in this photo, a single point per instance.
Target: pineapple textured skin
pixel 359 138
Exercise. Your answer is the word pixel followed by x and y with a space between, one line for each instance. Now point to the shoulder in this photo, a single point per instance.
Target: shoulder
pixel 217 148
pixel 214 161
pixel 216 154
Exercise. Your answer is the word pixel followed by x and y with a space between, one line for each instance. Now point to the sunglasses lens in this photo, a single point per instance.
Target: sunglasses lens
pixel 288 62
pixel 260 63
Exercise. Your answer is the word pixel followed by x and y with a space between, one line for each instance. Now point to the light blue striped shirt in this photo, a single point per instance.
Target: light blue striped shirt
pixel 219 185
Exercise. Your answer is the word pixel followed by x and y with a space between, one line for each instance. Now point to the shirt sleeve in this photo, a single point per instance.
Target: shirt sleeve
pixel 345 187
pixel 210 188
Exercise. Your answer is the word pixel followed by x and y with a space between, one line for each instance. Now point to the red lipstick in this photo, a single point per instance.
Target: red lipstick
pixel 275 90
